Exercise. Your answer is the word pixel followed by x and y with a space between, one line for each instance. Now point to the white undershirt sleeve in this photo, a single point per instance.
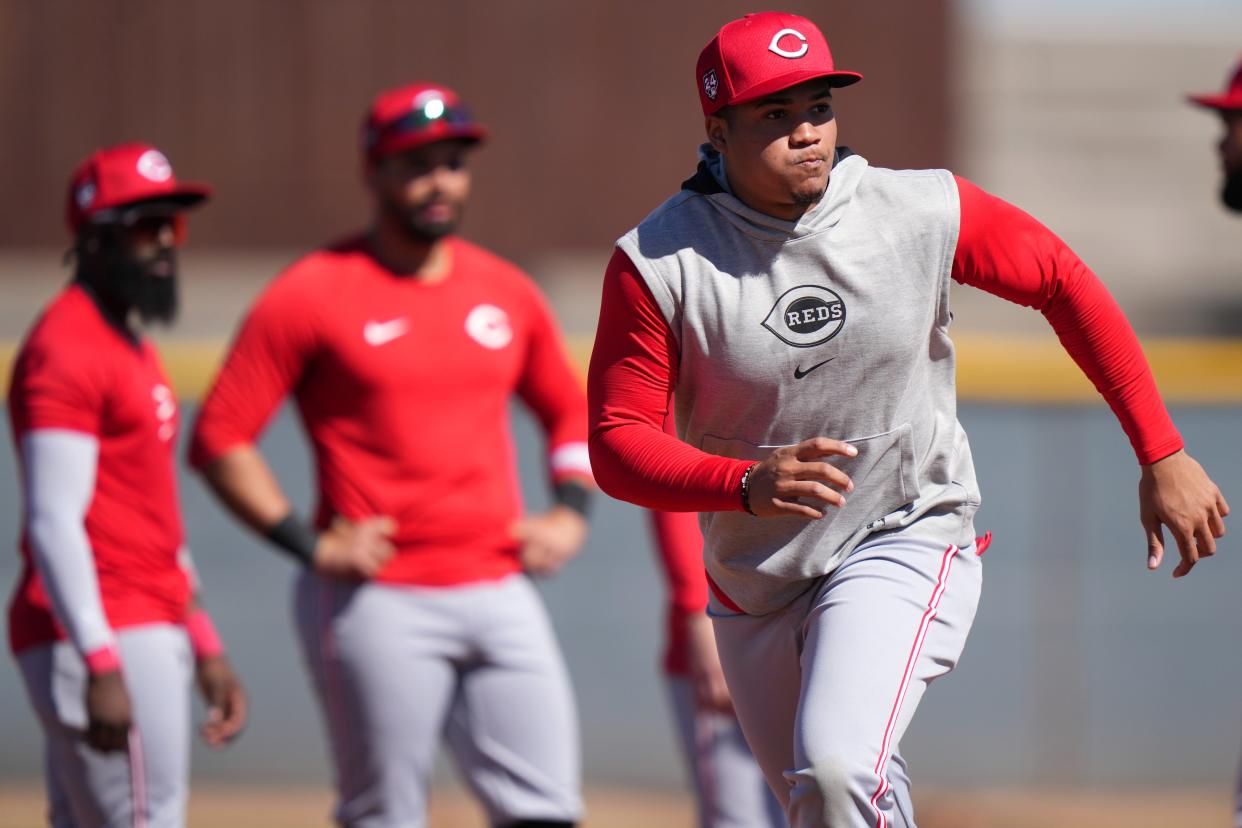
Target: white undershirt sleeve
pixel 59 485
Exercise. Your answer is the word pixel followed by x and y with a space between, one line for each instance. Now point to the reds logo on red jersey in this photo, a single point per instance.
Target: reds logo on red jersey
pixel 489 326
pixel 165 411
pixel 404 388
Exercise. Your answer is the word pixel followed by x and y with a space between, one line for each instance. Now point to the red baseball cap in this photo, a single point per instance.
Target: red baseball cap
pixel 1231 98
pixel 415 115
pixel 116 183
pixel 760 54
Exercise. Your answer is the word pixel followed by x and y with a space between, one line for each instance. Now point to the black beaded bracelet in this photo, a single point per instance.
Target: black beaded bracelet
pixel 746 489
pixel 293 536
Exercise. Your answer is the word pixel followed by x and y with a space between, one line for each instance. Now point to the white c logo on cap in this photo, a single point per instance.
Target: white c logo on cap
pixel 775 45
pixel 153 166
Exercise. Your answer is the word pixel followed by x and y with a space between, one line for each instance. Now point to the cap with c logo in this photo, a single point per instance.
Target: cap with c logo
pixel 759 54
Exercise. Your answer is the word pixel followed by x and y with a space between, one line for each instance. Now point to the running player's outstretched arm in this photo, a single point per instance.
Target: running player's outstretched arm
pixel 265 361
pixel 631 380
pixel 1004 251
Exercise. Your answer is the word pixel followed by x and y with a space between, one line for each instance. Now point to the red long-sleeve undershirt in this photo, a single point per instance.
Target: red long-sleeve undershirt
pixel 1000 249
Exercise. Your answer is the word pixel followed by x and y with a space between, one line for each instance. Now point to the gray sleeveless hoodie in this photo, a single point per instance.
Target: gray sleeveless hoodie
pixel 834 325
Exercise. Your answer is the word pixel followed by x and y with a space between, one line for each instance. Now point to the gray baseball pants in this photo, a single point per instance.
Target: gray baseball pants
pixel 825 688
pixel 146 786
pixel 397 667
pixel 730 791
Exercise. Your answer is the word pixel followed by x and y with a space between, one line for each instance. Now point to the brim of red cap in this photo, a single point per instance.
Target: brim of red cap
pixel 836 80
pixel 470 133
pixel 186 195
pixel 1228 101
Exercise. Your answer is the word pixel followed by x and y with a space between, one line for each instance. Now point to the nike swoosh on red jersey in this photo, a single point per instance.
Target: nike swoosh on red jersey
pixel 381 333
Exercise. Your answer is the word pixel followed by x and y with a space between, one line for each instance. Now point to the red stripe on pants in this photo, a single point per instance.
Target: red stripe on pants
pixel 917 647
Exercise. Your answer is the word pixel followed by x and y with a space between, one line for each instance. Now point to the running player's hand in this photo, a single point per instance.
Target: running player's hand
pixel 225 698
pixel 354 550
pixel 549 539
pixel 706 677
pixel 108 714
pixel 791 472
pixel 1176 492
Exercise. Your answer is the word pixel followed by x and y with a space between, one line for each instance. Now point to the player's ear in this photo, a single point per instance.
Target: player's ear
pixel 717 129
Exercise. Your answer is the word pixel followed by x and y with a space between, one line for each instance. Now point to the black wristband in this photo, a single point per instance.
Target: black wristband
pixel 746 489
pixel 293 536
pixel 573 494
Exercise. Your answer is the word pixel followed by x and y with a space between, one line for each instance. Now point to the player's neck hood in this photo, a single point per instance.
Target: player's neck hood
pixel 710 180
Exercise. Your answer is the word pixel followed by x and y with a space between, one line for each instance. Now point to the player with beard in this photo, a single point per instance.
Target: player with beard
pixel 104 621
pixel 1228 104
pixel 402 348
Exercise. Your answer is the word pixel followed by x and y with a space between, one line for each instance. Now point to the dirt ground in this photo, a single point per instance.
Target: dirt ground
pixel 214 806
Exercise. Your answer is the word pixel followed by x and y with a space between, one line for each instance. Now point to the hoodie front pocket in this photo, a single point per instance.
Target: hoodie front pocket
pixel 885 479
pixel 885 461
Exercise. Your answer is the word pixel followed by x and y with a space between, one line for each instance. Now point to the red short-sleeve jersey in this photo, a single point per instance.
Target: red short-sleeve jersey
pixel 404 389
pixel 77 372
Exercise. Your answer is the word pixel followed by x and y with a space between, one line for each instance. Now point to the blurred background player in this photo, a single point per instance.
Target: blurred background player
pixel 104 621
pixel 729 788
pixel 1228 104
pixel 402 347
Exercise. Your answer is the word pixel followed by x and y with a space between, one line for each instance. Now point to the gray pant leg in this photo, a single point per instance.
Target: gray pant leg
pixel 162 665
pixel 760 658
pixel 730 790
pixel 858 654
pixel 514 730
pixel 899 788
pixel 59 805
pixel 147 784
pixel 384 674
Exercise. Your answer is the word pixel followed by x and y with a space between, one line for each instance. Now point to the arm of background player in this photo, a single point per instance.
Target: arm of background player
pixel 1006 252
pixel 679 546
pixel 223 693
pixel 691 641
pixel 633 371
pixel 59 479
pixel 204 639
pixel 263 365
pixel 552 389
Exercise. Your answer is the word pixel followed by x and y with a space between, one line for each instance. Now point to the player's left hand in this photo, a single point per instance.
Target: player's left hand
pixel 549 539
pixel 1176 492
pixel 225 698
